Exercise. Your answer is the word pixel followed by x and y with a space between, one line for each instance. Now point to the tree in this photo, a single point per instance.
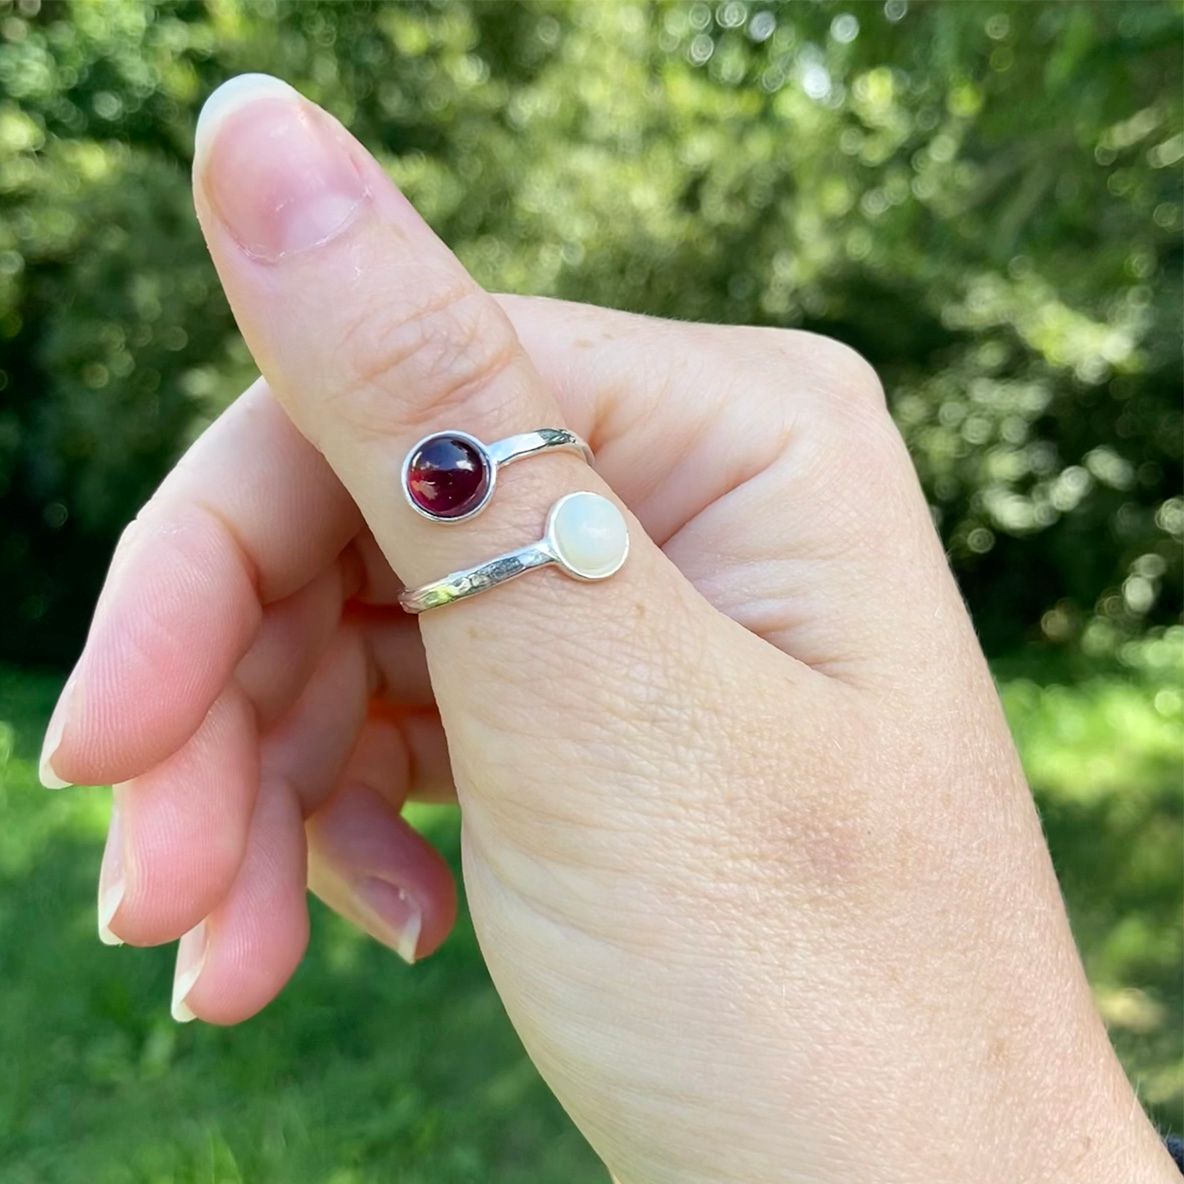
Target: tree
pixel 984 198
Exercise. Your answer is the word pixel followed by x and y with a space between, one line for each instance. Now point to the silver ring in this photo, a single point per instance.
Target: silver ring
pixel 585 536
pixel 449 476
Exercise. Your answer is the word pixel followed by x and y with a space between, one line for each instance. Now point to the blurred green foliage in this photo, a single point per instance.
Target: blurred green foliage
pixel 985 198
pixel 366 1070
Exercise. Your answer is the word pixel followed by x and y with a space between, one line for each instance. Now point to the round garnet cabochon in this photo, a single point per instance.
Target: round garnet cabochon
pixel 447 476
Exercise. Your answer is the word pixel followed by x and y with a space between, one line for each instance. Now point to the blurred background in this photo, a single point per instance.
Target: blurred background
pixel 983 198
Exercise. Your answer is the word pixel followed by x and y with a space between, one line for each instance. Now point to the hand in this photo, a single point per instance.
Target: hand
pixel 747 846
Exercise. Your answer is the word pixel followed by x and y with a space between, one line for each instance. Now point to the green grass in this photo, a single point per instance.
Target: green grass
pixel 1104 751
pixel 366 1070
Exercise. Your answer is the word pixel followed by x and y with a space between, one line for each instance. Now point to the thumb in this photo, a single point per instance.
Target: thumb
pixel 572 709
pixel 371 334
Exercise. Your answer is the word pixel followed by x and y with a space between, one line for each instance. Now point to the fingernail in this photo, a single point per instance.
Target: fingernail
pixel 276 169
pixel 111 879
pixel 395 914
pixel 53 736
pixel 191 959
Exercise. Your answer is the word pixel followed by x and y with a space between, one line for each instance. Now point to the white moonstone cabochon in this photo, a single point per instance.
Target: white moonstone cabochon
pixel 589 535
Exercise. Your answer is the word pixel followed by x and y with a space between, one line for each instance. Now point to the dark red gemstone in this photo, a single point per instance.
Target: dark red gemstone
pixel 447 476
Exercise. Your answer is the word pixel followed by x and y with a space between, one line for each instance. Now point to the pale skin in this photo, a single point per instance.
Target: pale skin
pixel 748 849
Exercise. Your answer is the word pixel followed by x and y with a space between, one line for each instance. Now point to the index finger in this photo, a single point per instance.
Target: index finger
pixel 249 516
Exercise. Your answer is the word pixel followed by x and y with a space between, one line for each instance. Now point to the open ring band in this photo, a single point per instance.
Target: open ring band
pixel 585 536
pixel 449 476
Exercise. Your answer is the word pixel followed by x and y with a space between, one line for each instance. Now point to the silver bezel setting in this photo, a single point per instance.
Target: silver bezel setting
pixel 487 459
pixel 551 544
pixel 471 581
pixel 494 457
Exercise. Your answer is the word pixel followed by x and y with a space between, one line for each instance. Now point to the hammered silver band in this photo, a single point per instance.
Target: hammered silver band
pixel 512 448
pixel 473 580
pixel 585 536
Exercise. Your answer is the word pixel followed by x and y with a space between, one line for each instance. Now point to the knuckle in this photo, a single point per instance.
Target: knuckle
pixel 842 434
pixel 847 405
pixel 844 373
pixel 434 357
pixel 848 401
pixel 826 367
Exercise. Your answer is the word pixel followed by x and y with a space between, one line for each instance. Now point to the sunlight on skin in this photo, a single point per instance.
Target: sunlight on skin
pixel 727 728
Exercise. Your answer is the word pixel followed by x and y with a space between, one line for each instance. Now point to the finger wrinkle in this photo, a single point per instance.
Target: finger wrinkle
pixel 242 552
